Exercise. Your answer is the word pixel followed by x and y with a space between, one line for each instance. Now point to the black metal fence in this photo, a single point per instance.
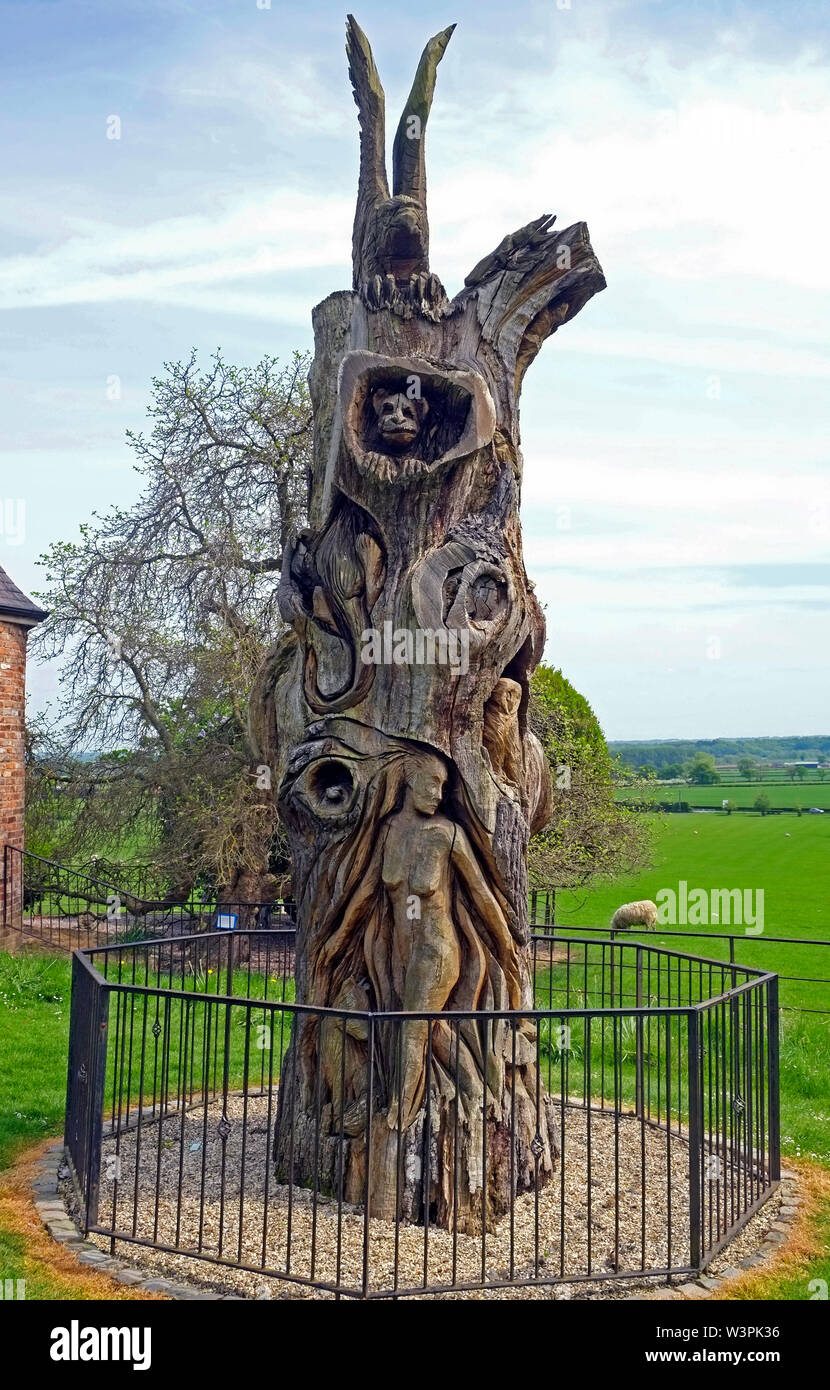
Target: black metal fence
pixel 659 1070
pixel 734 945
pixel 68 909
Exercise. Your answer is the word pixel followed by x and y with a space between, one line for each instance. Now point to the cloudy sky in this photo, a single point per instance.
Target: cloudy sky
pixel 676 502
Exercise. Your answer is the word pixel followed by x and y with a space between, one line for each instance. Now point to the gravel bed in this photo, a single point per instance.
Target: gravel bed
pixel 181 1160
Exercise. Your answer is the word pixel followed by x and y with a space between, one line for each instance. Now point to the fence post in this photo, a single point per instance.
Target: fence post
pixel 695 1141
pixel 773 1099
pixel 229 936
pixel 12 889
pixel 639 1102
pixel 367 1203
pixel 99 1025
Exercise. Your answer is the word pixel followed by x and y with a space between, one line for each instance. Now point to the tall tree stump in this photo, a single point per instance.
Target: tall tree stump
pixel 394 710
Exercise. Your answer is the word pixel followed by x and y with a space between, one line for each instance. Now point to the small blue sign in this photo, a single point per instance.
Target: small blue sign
pixel 226 921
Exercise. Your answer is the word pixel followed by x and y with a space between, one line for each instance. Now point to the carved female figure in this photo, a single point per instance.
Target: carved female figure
pixel 430 931
pixel 425 856
pixel 414 927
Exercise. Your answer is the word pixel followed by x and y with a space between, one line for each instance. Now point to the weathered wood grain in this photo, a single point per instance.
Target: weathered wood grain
pixel 394 712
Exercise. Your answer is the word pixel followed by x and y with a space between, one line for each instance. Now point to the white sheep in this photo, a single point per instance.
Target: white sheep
pixel 642 914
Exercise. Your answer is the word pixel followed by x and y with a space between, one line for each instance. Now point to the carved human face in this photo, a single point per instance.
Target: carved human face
pixel 398 418
pixel 426 783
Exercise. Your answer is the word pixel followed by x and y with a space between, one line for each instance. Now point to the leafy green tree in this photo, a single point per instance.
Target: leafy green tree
pixel 590 836
pixel 671 772
pixel 746 768
pixel 701 770
pixel 762 803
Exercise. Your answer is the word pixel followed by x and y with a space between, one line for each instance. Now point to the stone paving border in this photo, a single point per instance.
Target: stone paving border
pixel 52 1167
pixel 708 1286
pixel 46 1195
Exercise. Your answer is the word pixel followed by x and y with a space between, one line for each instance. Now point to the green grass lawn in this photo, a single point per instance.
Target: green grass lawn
pixel 34 1025
pixel 34 1028
pixel 789 859
pixel 34 1032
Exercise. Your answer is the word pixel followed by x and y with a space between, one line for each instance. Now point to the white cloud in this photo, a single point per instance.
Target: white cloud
pixel 709 355
pixel 682 172
pixel 714 167
pixel 100 263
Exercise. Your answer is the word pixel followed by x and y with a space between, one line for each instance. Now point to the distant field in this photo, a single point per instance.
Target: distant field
pixel 767 774
pixel 741 793
pixel 789 859
pixel 136 846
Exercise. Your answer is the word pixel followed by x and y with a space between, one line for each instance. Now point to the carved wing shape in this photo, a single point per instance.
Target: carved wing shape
pixel 373 187
pixel 408 162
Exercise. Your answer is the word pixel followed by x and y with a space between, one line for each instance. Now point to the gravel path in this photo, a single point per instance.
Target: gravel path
pixel 183 1157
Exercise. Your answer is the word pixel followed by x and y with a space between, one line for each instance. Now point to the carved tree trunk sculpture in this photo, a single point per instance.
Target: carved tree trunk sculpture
pixel 394 710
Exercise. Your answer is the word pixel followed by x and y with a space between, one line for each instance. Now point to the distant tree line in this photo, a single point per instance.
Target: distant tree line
pixel 667 754
pixel 702 771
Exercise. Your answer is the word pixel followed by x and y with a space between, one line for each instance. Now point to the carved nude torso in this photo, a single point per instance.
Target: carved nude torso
pixel 416 876
pixel 426 953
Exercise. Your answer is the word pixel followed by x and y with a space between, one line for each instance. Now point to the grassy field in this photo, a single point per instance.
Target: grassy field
pixel 789 858
pixel 34 1026
pixel 729 773
pixel 741 794
pixel 34 1018
pixel 34 1006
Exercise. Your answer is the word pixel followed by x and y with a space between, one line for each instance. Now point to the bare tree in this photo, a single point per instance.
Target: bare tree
pixel 162 613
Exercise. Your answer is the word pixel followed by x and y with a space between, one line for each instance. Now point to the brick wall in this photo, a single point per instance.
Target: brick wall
pixel 12 772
